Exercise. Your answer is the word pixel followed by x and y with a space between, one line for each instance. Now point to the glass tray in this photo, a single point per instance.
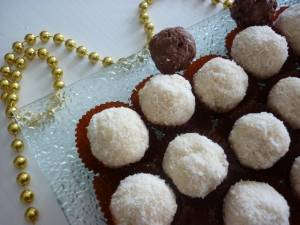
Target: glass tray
pixel 48 124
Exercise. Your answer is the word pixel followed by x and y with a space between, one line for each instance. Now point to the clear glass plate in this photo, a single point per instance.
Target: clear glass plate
pixel 48 124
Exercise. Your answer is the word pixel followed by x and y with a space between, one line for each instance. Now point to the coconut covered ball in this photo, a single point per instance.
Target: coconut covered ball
pixel 118 136
pixel 259 140
pixel 143 199
pixel 288 24
pixel 196 164
pixel 260 51
pixel 295 177
pixel 220 84
pixel 250 202
pixel 284 98
pixel 167 100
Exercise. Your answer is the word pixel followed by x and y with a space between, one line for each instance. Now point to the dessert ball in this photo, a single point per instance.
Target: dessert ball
pixel 167 100
pixel 248 13
pixel 288 24
pixel 172 49
pixel 143 199
pixel 118 136
pixel 260 51
pixel 284 98
pixel 220 84
pixel 295 177
pixel 250 202
pixel 196 164
pixel 259 140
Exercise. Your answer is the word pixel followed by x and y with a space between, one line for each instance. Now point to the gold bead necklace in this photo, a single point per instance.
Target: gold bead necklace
pixel 10 86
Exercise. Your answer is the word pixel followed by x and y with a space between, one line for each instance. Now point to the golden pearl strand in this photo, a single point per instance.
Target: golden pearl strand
pixel 10 86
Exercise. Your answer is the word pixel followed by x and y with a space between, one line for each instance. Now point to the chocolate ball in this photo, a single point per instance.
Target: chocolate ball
pixel 172 49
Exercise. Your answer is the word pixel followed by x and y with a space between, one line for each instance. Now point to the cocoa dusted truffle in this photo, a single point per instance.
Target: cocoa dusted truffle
pixel 248 13
pixel 172 49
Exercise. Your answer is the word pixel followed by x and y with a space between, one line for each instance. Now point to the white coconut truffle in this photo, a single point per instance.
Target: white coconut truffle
pixel 167 100
pixel 259 140
pixel 143 199
pixel 196 164
pixel 118 136
pixel 284 98
pixel 260 51
pixel 295 177
pixel 252 203
pixel 288 24
pixel 220 84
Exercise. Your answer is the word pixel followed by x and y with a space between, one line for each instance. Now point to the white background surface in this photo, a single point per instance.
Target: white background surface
pixel 107 27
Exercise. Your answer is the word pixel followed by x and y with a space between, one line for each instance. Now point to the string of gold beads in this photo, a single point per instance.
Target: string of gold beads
pixel 10 86
pixel 226 4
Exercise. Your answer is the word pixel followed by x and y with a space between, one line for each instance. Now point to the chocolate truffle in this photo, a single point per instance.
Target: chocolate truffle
pixel 248 13
pixel 143 199
pixel 295 177
pixel 284 98
pixel 250 202
pixel 118 136
pixel 259 140
pixel 288 24
pixel 172 49
pixel 196 164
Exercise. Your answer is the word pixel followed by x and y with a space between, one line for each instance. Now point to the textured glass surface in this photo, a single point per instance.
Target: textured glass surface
pixel 49 123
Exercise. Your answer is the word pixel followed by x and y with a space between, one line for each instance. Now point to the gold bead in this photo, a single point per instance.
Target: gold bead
pixel 12 99
pixel 149 27
pixel 57 73
pixel 23 179
pixel 70 44
pixel 30 39
pixel 227 4
pixel 52 61
pixel 18 47
pixel 4 84
pixel 20 63
pixel 5 71
pixel 13 128
pixel 94 57
pixel 9 58
pixel 4 96
pixel 20 162
pixel 27 196
pixel 16 75
pixel 30 53
pixel 149 37
pixel 58 85
pixel 143 7
pixel 31 214
pixel 44 36
pixel 146 46
pixel 58 39
pixel 17 145
pixel 43 53
pixel 14 87
pixel 107 61
pixel 149 1
pixel 144 17
pixel 215 2
pixel 9 111
pixel 81 51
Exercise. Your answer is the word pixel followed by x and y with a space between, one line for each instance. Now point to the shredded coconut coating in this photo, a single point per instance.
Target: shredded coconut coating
pixel 118 136
pixel 284 98
pixel 221 84
pixel 195 164
pixel 260 51
pixel 295 177
pixel 253 203
pixel 143 199
pixel 288 24
pixel 259 140
pixel 167 100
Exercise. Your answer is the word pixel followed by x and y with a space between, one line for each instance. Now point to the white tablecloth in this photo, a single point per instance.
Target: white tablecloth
pixel 107 27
